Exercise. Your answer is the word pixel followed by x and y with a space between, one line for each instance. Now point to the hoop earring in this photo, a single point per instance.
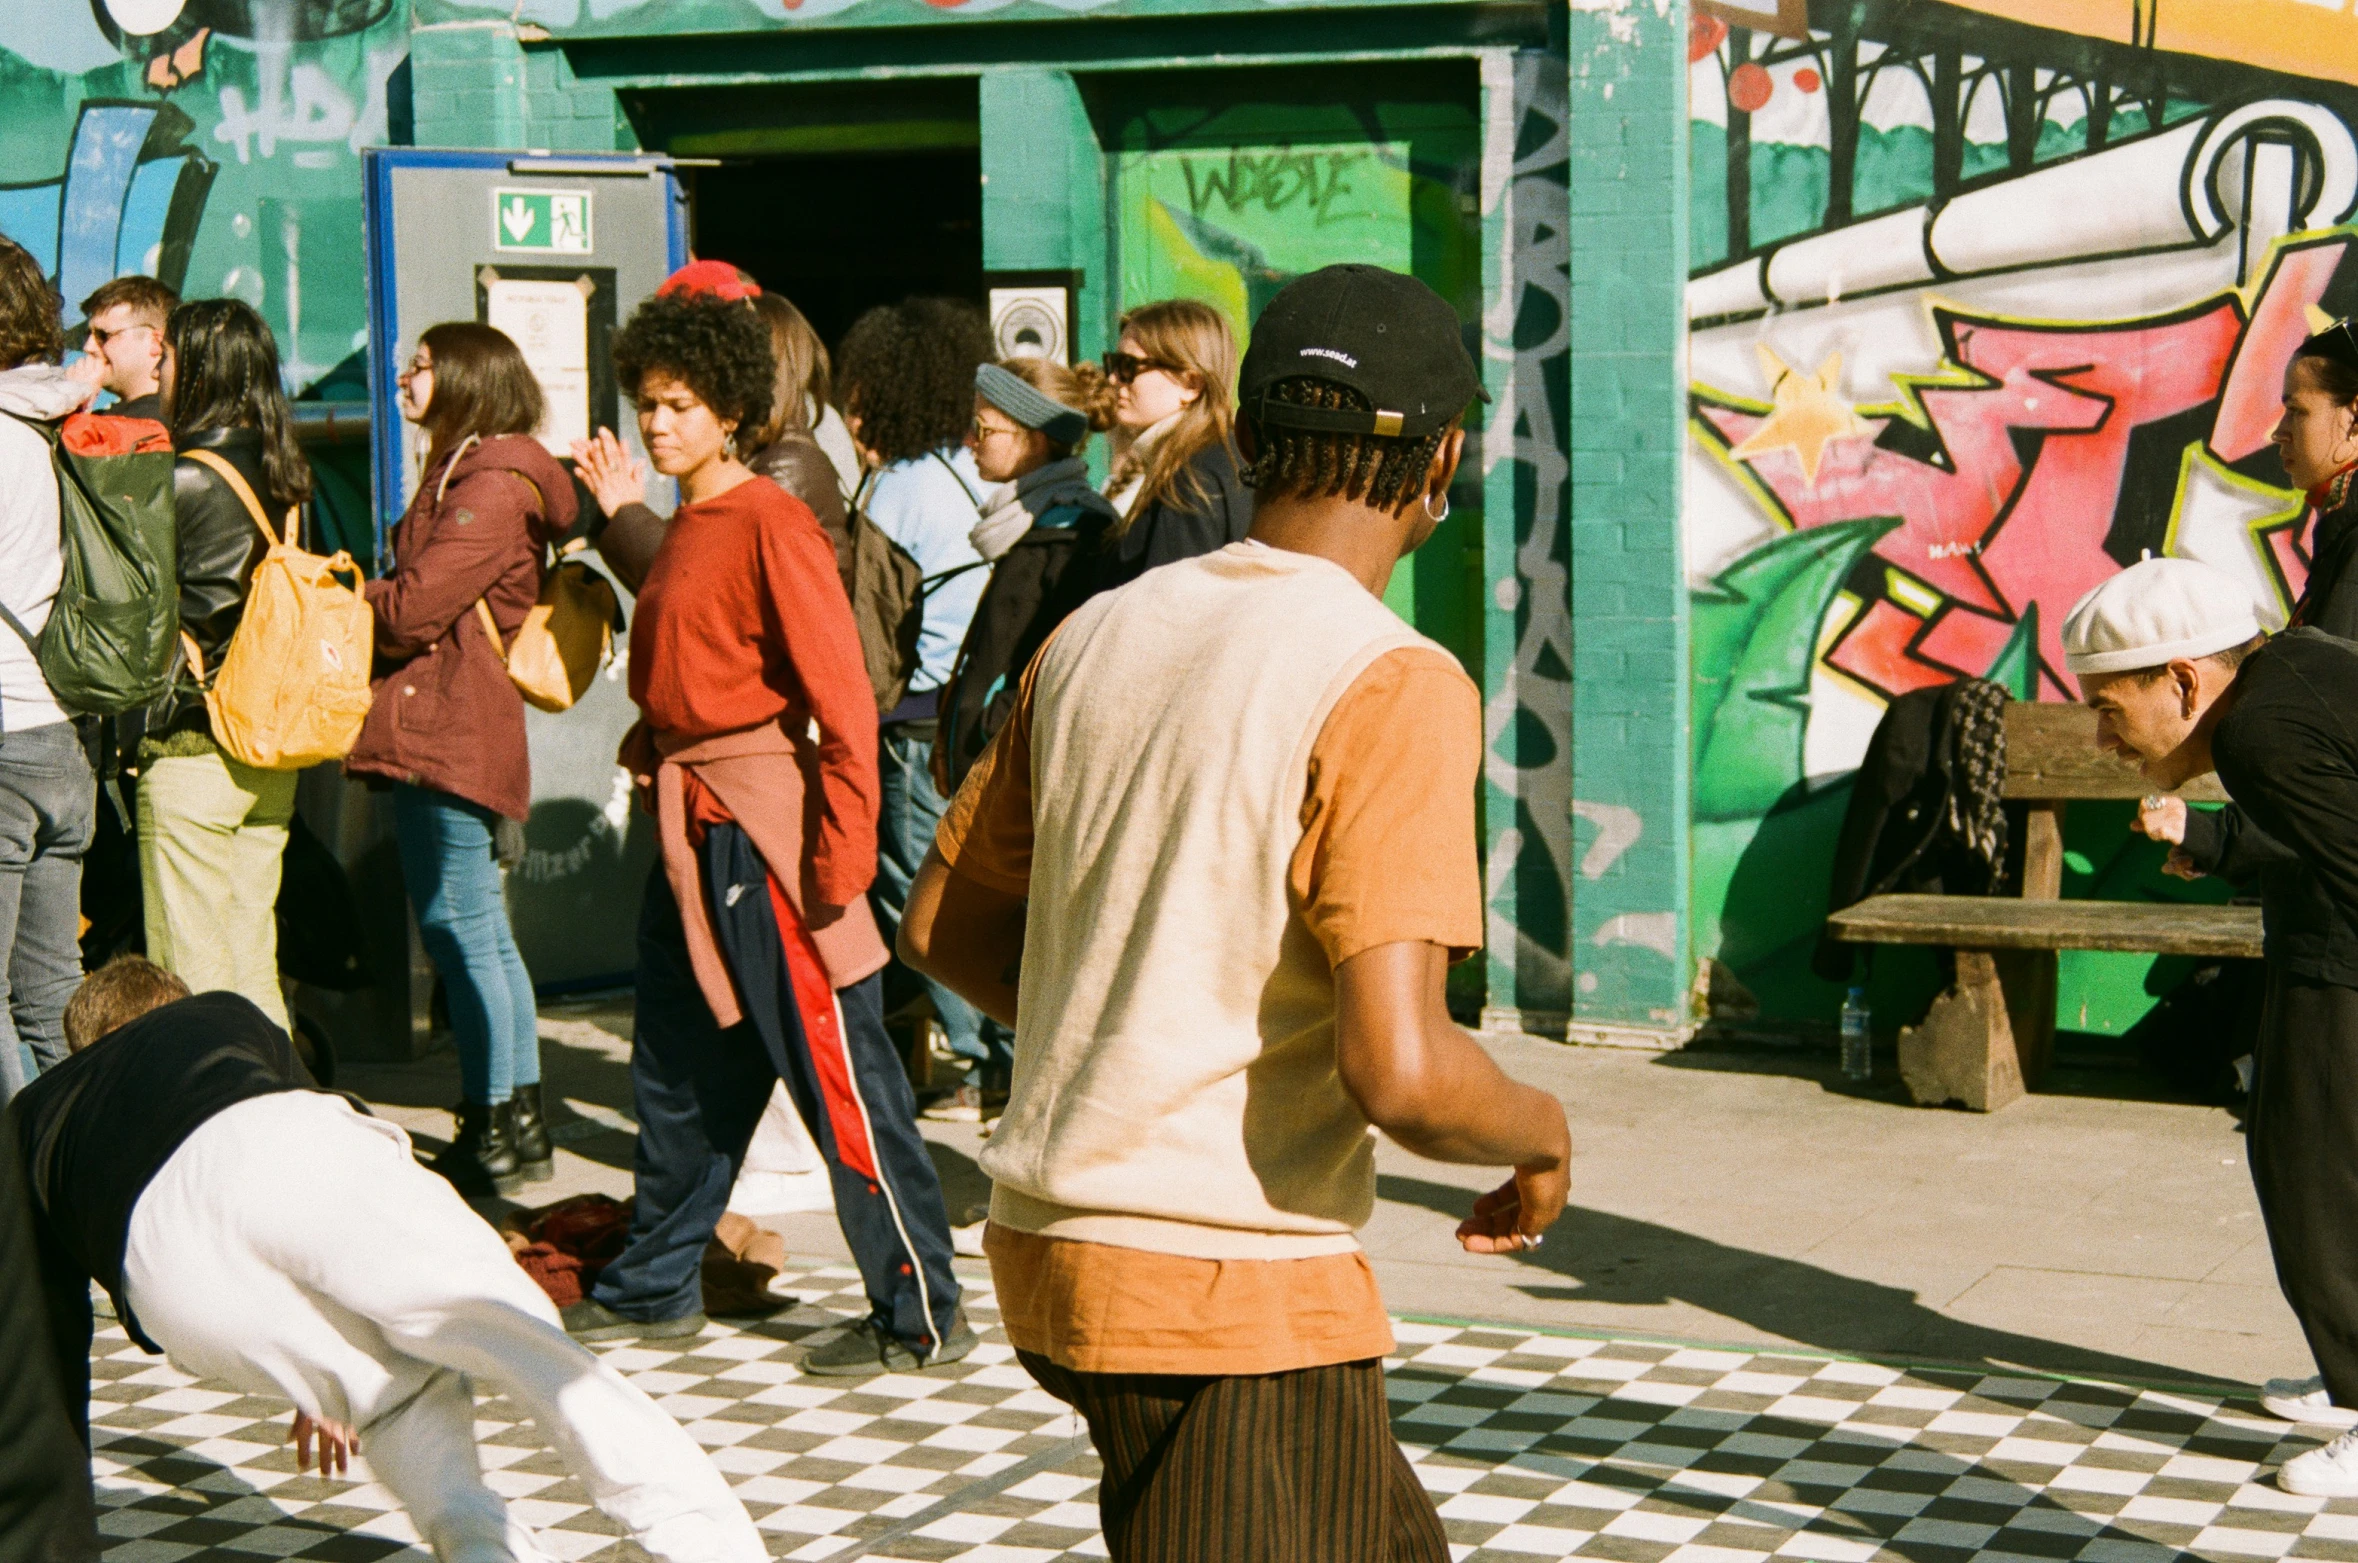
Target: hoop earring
pixel 1430 516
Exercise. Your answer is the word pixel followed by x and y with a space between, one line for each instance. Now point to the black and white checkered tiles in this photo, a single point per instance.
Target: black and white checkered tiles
pixel 1535 1447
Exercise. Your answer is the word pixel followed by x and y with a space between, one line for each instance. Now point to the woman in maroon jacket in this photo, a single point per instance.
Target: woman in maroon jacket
pixel 447 727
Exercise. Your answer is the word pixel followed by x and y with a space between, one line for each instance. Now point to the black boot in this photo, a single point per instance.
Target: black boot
pixel 531 1132
pixel 482 1155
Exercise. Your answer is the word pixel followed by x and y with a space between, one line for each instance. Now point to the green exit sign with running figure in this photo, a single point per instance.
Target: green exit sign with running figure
pixel 540 222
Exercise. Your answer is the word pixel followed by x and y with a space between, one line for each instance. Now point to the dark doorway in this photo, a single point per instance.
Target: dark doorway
pixel 840 234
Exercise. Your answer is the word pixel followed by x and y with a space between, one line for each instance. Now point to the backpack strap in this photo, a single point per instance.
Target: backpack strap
pixel 952 470
pixel 32 642
pixel 491 629
pixel 244 491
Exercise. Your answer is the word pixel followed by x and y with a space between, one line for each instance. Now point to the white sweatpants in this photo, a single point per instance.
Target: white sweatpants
pixel 291 1246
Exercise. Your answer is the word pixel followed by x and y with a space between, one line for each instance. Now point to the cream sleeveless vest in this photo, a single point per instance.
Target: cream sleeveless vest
pixel 1175 1082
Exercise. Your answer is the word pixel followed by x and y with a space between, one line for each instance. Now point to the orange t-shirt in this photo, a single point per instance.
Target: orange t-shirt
pixel 1388 854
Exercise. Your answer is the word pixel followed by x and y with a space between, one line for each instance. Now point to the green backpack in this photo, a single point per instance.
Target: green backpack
pixel 108 645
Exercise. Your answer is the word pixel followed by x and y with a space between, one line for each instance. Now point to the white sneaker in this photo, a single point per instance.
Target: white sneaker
pixel 2330 1472
pixel 2304 1400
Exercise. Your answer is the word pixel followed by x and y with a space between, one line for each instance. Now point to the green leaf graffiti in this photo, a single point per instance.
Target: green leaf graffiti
pixel 1755 637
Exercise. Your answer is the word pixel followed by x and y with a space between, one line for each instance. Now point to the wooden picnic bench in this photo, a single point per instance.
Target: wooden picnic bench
pixel 1988 1038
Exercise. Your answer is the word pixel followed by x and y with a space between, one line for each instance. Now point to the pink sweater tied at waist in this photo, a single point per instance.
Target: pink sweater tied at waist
pixel 762 777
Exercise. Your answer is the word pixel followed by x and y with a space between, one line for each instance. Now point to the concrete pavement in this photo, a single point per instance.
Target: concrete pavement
pixel 1739 1198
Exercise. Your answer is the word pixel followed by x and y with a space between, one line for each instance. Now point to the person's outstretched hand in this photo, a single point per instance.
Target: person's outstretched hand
pixel 1510 1218
pixel 337 1444
pixel 608 472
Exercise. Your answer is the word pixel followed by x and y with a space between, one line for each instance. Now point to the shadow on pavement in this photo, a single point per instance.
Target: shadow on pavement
pixel 1616 1259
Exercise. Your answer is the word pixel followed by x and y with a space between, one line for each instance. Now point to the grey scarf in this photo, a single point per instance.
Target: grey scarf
pixel 1011 509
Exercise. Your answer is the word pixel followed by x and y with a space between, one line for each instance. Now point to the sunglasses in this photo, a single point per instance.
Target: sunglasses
pixel 2338 342
pixel 102 338
pixel 1122 368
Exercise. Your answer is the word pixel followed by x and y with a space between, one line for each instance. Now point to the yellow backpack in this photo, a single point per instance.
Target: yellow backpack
pixel 292 690
pixel 565 638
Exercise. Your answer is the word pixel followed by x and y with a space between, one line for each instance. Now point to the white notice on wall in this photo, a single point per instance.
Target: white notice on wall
pixel 550 322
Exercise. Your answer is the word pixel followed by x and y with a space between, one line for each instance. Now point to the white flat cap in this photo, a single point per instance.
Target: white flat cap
pixel 2156 611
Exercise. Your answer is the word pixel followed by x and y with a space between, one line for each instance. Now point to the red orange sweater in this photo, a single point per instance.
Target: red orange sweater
pixel 741 622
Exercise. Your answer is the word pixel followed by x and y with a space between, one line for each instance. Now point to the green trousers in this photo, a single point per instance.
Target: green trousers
pixel 211 833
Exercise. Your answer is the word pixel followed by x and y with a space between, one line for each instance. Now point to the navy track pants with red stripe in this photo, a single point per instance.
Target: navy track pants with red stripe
pixel 700 1092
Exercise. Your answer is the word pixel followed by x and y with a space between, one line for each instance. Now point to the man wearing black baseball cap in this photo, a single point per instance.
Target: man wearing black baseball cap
pixel 1227 834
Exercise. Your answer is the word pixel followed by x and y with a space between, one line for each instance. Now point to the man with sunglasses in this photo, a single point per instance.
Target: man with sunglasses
pixel 123 346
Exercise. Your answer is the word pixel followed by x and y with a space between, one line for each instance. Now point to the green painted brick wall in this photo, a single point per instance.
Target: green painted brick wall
pixel 1627 125
pixel 477 84
pixel 1044 189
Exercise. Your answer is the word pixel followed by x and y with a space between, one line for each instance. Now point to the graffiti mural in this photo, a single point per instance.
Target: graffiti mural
pixel 212 143
pixel 1226 196
pixel 1969 333
pixel 1528 719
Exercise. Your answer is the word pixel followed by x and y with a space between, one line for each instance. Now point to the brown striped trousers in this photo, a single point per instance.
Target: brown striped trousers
pixel 1279 1468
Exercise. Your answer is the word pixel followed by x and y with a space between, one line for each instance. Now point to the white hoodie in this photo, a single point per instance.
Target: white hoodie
pixel 30 565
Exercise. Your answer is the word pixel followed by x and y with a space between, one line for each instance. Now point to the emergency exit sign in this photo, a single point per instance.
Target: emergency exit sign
pixel 540 222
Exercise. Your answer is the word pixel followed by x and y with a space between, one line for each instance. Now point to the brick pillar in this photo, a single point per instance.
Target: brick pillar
pixel 1631 929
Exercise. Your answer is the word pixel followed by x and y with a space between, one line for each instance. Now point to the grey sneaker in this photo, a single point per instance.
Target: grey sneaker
pixel 964 1105
pixel 590 1321
pixel 862 1349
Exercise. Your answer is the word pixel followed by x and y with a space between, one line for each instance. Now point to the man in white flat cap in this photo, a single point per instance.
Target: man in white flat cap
pixel 2170 657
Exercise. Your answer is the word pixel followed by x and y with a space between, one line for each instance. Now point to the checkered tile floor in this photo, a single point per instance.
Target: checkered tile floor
pixel 1535 1446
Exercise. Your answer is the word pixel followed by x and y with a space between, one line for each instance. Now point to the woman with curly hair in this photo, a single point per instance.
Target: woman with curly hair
pixel 48 799
pixel 756 749
pixel 1175 474
pixel 905 378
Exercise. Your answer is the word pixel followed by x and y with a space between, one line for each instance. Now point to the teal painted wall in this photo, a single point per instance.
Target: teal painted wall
pixel 1629 936
pixel 241 175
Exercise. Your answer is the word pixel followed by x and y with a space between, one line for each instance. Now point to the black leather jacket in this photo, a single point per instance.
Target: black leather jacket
pixel 219 547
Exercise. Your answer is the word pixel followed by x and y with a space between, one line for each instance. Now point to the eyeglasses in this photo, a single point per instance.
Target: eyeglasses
pixel 1122 368
pixel 985 431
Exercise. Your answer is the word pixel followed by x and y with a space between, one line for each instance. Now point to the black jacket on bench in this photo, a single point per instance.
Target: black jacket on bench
pixel 2287 753
pixel 1895 830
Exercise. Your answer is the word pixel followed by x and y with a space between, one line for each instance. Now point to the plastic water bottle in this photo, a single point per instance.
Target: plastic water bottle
pixel 1858 1037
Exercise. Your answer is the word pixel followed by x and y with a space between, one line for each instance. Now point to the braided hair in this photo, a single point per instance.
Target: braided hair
pixel 1375 469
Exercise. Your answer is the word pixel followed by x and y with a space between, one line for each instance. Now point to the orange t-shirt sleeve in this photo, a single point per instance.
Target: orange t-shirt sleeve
pixel 986 833
pixel 1388 851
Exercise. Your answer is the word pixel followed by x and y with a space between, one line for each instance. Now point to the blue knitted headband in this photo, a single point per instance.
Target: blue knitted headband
pixel 1014 396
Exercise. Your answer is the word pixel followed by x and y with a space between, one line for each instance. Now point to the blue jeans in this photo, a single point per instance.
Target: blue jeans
pixel 48 809
pixel 911 813
pixel 454 883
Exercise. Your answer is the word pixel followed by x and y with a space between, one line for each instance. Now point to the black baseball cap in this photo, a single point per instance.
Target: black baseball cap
pixel 1385 335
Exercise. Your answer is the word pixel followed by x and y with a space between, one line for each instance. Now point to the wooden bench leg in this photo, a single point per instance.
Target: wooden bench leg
pixel 1988 1038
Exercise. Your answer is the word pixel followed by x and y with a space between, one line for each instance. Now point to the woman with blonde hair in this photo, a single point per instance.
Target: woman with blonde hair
pixel 1175 476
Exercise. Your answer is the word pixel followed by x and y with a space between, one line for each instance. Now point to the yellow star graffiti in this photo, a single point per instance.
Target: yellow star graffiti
pixel 1808 415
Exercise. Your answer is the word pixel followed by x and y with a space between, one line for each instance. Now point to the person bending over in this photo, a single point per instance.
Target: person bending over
pixel 2169 655
pixel 262 1232
pixel 1228 836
